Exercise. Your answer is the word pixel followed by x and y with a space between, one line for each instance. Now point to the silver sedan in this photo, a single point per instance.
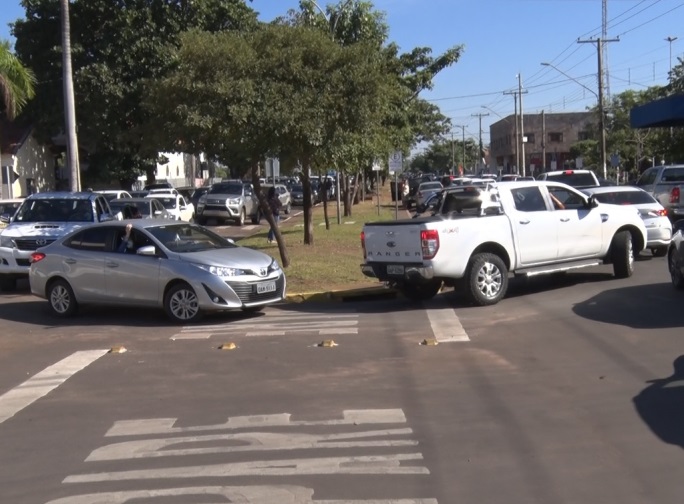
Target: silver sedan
pixel 180 267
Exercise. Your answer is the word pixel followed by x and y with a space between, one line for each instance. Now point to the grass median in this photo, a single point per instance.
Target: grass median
pixel 332 263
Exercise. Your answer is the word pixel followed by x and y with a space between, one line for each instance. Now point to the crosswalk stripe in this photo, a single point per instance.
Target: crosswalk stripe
pixel 44 382
pixel 446 325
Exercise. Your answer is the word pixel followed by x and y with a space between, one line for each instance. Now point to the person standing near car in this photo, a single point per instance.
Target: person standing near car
pixel 274 204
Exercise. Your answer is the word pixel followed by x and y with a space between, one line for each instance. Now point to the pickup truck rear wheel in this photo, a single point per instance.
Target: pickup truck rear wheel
pixel 421 291
pixel 622 255
pixel 675 272
pixel 486 279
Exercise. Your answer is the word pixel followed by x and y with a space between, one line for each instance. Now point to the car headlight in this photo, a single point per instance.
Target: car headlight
pixel 274 266
pixel 234 201
pixel 6 241
pixel 221 271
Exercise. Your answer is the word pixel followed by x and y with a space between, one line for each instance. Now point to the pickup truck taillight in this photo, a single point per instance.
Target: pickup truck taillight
pixel 363 243
pixel 674 195
pixel 429 243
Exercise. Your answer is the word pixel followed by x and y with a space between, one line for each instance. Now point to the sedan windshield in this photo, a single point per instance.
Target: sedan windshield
pixel 625 198
pixel 188 238
pixel 169 203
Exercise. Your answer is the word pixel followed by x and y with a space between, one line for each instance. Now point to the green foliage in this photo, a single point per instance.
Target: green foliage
pixel 16 82
pixel 116 48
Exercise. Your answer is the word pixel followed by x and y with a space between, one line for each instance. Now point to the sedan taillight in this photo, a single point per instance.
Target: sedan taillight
pixel 36 257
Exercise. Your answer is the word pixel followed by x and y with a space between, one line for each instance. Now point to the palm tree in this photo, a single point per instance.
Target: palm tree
pixel 16 82
pixel 16 85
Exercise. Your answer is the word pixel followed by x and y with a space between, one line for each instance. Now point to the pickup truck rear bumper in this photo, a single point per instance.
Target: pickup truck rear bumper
pixel 410 272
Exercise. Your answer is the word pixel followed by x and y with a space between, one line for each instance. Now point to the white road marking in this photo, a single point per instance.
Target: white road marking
pixel 370 464
pixel 446 325
pixel 44 382
pixel 257 494
pixel 276 324
pixel 163 426
pixel 245 442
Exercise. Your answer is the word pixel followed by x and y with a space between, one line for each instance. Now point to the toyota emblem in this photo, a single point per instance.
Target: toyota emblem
pixel 263 272
pixel 41 242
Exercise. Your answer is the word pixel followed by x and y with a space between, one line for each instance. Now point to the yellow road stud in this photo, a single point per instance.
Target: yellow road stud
pixel 118 349
pixel 228 346
pixel 327 343
pixel 429 342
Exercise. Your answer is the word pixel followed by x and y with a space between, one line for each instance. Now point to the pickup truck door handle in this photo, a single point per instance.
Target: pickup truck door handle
pixel 604 217
pixel 524 222
pixel 565 219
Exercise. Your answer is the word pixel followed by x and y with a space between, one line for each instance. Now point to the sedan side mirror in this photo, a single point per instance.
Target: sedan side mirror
pixel 147 250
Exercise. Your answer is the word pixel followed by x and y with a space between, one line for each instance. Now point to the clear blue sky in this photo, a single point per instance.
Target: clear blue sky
pixel 504 38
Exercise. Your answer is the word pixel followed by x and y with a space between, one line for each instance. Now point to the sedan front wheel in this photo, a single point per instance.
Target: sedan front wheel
pixel 181 304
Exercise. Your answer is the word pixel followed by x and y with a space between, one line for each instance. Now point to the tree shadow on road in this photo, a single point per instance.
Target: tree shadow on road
pixel 651 306
pixel 661 405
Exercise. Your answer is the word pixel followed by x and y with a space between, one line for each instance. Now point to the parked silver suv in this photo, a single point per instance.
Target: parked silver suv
pixel 232 200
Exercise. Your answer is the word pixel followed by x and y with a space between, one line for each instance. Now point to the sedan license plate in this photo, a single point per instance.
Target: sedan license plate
pixel 265 287
pixel 395 269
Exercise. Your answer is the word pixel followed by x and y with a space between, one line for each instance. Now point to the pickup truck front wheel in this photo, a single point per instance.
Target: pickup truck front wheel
pixel 622 255
pixel 486 279
pixel 421 291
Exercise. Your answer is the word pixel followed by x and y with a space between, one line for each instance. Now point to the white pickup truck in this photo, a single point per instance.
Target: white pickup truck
pixel 478 235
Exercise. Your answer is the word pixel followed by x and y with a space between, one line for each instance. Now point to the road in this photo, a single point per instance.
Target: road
pixel 562 393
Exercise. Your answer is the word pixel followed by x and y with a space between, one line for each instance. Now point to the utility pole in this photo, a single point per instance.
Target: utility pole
pixel 453 155
pixel 522 126
pixel 670 40
pixel 480 115
pixel 515 107
pixel 543 141
pixel 602 115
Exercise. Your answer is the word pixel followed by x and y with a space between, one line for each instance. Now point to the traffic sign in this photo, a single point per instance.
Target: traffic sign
pixel 396 161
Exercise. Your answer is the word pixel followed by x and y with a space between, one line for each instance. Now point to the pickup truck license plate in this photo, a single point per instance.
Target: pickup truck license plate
pixel 395 269
pixel 266 287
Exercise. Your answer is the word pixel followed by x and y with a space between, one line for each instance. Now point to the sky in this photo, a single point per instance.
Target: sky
pixel 504 43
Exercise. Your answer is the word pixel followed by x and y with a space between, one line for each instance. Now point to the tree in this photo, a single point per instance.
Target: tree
pixel 17 82
pixel 116 48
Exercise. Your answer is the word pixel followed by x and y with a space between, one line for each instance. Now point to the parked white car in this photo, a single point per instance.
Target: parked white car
pixel 654 215
pixel 112 194
pixel 175 205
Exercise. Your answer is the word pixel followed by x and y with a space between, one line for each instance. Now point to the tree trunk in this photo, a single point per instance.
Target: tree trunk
pixel 324 186
pixel 308 204
pixel 268 215
pixel 69 106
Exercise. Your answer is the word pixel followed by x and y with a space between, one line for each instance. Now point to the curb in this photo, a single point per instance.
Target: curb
pixel 361 294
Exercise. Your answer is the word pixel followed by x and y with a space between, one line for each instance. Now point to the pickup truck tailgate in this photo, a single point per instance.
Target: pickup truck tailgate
pixel 390 242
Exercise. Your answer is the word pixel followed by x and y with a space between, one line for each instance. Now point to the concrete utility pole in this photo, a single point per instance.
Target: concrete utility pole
pixel 480 115
pixel 453 155
pixel 602 114
pixel 543 141
pixel 462 126
pixel 515 106
pixel 670 40
pixel 522 126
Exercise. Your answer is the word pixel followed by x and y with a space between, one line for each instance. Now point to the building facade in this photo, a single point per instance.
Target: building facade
pixel 27 166
pixel 549 138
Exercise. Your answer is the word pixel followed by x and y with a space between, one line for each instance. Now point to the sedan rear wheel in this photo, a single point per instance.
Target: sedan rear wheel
pixel 181 304
pixel 61 298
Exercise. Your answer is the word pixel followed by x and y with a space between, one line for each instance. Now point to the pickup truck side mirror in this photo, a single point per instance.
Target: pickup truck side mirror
pixel 592 202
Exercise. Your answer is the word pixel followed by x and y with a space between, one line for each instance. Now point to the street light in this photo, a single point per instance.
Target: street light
pixel 602 125
pixel 670 40
pixel 495 113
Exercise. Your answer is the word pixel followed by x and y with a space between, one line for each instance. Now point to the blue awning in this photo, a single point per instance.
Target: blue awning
pixel 661 113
